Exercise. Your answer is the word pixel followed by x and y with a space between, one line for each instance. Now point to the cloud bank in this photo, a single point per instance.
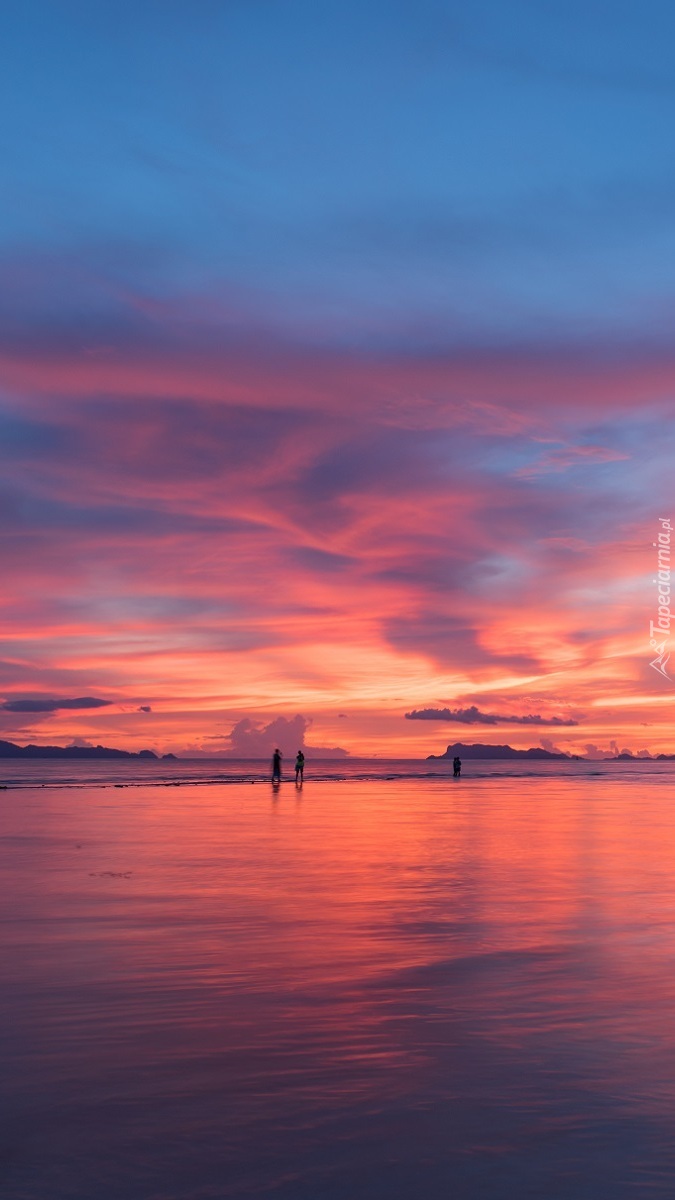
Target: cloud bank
pixel 250 740
pixel 473 716
pixel 50 706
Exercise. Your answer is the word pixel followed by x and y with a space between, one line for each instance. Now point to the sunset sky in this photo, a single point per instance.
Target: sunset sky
pixel 337 373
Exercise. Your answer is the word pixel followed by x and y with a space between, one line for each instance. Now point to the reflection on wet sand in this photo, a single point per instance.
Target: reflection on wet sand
pixel 389 989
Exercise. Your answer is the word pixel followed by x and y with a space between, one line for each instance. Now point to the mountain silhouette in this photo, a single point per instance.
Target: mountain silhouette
pixel 10 750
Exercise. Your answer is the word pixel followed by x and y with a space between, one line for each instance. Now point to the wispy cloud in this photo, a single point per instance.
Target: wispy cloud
pixel 570 456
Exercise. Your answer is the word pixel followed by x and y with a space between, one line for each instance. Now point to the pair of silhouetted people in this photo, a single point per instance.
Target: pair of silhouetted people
pixel 457 766
pixel 299 766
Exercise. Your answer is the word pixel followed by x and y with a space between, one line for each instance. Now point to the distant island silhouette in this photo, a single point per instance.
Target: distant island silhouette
pixel 479 750
pixel 457 749
pixel 10 750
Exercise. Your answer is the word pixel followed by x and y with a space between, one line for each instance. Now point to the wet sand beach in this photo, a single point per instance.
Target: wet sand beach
pixel 368 988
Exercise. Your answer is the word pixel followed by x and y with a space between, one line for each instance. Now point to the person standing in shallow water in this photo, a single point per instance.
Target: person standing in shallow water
pixel 276 766
pixel 299 767
pixel 457 767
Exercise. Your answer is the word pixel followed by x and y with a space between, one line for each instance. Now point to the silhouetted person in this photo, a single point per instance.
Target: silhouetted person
pixel 457 766
pixel 299 767
pixel 276 766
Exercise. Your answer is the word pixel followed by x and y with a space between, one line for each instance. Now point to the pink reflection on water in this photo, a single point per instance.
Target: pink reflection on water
pixel 365 989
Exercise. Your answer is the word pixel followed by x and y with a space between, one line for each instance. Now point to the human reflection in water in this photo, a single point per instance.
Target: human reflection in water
pixel 276 766
pixel 457 766
pixel 299 769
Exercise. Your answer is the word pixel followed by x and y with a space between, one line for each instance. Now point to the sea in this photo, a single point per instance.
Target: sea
pixel 134 772
pixel 386 984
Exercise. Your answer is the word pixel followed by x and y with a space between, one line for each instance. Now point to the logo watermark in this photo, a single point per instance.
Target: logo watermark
pixel 659 631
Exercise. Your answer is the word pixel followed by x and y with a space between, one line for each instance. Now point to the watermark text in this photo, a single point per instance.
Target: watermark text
pixel 659 630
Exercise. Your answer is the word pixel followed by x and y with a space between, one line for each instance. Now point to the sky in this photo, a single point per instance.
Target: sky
pixel 337 374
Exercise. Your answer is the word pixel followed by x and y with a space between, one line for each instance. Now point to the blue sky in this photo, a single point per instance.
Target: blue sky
pixel 455 172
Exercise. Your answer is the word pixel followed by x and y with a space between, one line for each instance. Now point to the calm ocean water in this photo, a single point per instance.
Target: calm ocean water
pixel 382 986
pixel 135 772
